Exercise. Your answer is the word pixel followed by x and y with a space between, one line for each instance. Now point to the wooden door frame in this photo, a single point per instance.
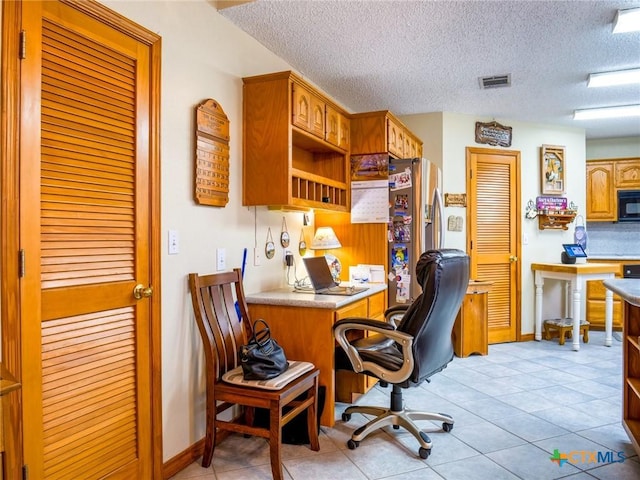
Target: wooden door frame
pixel 518 225
pixel 10 282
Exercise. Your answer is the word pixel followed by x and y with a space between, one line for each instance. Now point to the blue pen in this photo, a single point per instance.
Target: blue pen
pixel 244 263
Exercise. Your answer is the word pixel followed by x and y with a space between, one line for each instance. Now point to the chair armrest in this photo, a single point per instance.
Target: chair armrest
pixel 397 309
pixel 394 314
pixel 385 329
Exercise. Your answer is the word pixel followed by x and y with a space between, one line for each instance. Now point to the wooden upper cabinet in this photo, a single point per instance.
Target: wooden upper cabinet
pixel 601 199
pixel 308 111
pixel 288 160
pixel 627 173
pixel 381 131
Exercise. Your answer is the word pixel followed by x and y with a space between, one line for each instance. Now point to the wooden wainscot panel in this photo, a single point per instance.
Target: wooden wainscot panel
pixel 212 155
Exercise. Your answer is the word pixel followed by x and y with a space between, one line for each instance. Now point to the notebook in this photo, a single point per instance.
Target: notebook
pixel 322 280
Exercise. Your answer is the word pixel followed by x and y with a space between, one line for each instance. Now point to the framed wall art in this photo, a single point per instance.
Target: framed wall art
pixel 552 169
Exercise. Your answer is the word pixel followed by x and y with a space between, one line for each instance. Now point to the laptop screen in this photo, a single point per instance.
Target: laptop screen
pixel 319 272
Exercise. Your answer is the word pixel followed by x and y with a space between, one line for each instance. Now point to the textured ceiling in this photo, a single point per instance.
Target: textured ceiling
pixel 426 56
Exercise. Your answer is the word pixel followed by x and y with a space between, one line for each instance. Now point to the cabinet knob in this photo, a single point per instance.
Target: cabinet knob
pixel 513 258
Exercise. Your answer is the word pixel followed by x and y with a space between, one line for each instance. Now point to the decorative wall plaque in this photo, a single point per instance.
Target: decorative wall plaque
pixel 552 171
pixel 455 199
pixel 212 155
pixel 493 134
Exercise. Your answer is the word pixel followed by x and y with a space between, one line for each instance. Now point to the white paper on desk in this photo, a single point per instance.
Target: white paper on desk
pixel 370 201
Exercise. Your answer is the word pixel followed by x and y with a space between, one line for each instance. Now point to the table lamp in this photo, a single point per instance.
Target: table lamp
pixel 326 239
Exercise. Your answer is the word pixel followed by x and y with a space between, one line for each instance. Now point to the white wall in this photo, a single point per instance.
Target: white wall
pixel 613 148
pixel 203 56
pixel 456 134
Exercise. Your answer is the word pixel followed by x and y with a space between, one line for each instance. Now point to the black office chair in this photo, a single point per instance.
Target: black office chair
pixel 410 353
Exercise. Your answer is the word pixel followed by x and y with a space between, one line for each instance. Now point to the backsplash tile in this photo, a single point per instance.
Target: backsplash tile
pixel 604 238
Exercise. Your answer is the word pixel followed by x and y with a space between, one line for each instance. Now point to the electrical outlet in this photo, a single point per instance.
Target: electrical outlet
pixel 221 259
pixel 288 258
pixel 257 257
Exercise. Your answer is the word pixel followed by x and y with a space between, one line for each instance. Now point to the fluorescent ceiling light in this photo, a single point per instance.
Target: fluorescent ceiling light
pixel 607 112
pixel 608 79
pixel 627 21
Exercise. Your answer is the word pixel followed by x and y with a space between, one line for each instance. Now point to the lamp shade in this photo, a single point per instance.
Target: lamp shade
pixel 325 239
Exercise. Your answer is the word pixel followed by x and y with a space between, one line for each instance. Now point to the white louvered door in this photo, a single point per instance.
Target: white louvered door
pixel 493 234
pixel 86 227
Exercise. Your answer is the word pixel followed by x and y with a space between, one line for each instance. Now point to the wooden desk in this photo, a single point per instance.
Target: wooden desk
pixel 302 324
pixel 576 275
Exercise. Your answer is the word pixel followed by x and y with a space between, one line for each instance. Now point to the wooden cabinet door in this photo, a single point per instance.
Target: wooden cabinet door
pixel 627 173
pixel 332 134
pixel 344 132
pixel 337 128
pixel 318 115
pixel 301 115
pixel 395 139
pixel 601 203
pixel 308 111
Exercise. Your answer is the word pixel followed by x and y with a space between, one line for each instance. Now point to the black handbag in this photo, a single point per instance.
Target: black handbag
pixel 262 358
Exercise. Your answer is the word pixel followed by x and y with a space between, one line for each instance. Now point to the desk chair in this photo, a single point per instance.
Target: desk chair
pixel 409 353
pixel 223 332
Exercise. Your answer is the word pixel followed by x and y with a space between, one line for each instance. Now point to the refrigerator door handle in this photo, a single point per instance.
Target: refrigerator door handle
pixel 438 219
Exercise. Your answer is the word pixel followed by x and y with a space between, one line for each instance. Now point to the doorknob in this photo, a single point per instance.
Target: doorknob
pixel 140 291
pixel 513 258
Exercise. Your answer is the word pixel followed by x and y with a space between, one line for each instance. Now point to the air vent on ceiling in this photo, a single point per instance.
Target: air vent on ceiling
pixel 495 81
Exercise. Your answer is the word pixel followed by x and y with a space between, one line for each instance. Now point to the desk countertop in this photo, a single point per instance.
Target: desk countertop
pixel 576 268
pixel 289 298
pixel 627 288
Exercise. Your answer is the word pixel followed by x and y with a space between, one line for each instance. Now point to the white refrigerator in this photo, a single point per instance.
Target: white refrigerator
pixel 415 224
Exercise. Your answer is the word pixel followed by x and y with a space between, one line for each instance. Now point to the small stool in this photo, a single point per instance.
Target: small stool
pixel 563 326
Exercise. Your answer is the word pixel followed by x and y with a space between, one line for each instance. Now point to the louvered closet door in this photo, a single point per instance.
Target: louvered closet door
pixel 494 225
pixel 87 214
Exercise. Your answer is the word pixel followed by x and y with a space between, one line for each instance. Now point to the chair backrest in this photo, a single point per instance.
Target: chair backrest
pixel 223 326
pixel 444 277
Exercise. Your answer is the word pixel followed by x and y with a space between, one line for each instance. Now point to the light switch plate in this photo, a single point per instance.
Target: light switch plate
pixel 174 242
pixel 257 256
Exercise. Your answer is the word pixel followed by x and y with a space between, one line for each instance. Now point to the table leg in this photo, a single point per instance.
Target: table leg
pixel 608 317
pixel 539 281
pixel 577 287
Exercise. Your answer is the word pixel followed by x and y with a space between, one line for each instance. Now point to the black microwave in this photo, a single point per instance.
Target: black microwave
pixel 629 205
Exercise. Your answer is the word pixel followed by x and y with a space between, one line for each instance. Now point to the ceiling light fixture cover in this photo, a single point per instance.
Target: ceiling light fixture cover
pixel 607 112
pixel 627 21
pixel 609 79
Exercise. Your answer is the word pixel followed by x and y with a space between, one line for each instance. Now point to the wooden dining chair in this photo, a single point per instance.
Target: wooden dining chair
pixel 224 324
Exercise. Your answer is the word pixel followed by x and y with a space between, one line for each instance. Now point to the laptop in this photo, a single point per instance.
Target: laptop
pixel 322 280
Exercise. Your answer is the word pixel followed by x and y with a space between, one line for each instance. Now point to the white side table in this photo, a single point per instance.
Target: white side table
pixel 576 275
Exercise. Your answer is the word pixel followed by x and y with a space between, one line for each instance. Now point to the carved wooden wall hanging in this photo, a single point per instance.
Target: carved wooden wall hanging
pixel 212 155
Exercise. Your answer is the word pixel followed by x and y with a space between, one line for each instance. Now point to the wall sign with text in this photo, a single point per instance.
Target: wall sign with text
pixel 493 134
pixel 212 155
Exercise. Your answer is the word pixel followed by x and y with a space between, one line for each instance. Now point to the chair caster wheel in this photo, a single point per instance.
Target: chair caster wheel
pixel 346 417
pixel 447 427
pixel 352 444
pixel 424 453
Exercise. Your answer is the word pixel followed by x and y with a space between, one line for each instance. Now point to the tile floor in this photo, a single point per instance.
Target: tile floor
pixel 512 408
